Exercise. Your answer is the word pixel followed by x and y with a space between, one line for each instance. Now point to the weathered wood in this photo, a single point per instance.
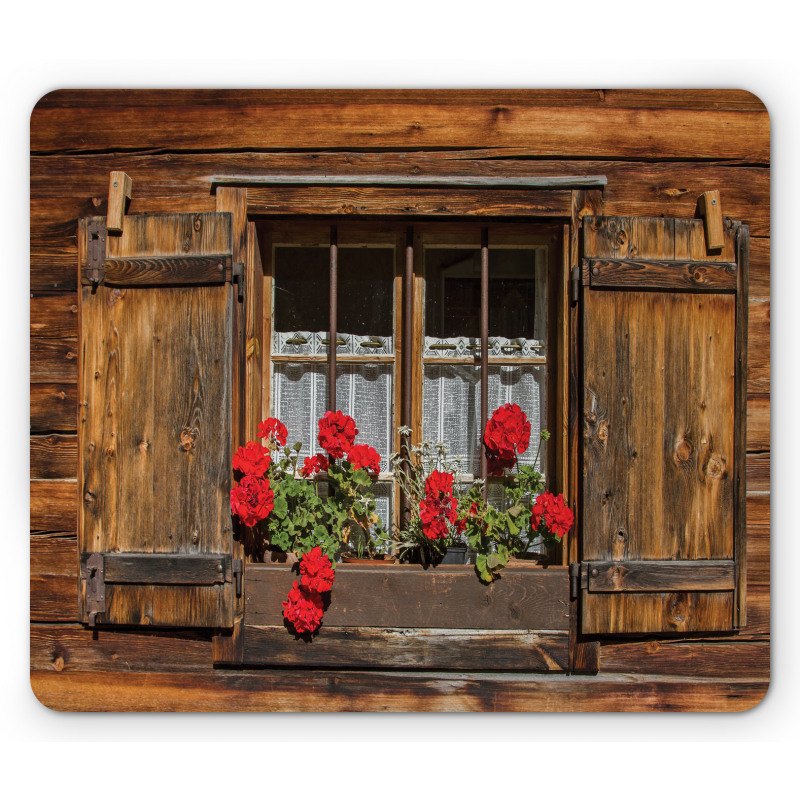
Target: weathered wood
pixel 54 456
pixel 155 436
pixel 54 360
pixel 54 407
pixel 69 648
pixel 710 208
pixel 749 659
pixel 758 420
pixel 408 596
pixel 407 649
pixel 758 472
pixel 660 576
pixel 54 316
pixel 759 265
pixel 54 505
pixel 120 189
pixel 166 271
pixel 694 276
pixel 758 555
pixel 405 202
pixel 54 578
pixel 277 690
pixel 758 509
pixel 758 347
pixel 545 130
pixel 159 568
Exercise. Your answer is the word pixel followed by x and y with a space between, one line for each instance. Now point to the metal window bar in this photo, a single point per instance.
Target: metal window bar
pixel 408 332
pixel 484 350
pixel 334 273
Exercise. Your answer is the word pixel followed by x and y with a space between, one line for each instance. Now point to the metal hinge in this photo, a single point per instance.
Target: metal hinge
pixel 238 277
pixel 95 587
pixel 575 280
pixel 237 575
pixel 96 235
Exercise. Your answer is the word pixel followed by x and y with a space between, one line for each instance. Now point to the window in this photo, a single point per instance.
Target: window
pixel 370 315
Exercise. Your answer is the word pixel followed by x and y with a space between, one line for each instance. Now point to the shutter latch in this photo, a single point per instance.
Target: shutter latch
pixel 95 252
pixel 95 587
pixel 238 277
pixel 575 280
pixel 237 575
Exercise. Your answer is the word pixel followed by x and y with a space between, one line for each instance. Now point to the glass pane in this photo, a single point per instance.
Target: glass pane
pixel 301 280
pixel 451 407
pixel 452 292
pixel 366 291
pixel 299 399
pixel 517 294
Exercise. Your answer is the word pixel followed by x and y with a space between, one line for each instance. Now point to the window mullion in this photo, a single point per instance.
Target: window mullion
pixel 484 348
pixel 334 274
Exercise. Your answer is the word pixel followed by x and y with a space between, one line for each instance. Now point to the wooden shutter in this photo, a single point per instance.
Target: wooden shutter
pixel 155 421
pixel 664 332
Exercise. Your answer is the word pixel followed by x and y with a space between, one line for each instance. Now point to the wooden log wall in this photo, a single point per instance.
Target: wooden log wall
pixel 660 150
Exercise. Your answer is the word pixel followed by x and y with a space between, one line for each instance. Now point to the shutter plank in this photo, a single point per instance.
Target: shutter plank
pixel 659 393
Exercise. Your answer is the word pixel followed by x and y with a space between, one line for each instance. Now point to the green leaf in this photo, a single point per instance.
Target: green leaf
pixel 281 507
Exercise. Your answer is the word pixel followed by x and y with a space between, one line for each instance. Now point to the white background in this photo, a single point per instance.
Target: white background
pixel 411 44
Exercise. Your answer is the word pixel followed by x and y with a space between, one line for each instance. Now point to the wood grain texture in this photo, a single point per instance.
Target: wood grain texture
pixel 155 436
pixel 277 690
pixel 544 130
pixel 54 360
pixel 54 578
pixel 411 597
pixel 655 576
pixel 54 505
pixel 54 456
pixel 413 648
pixel 54 407
pixel 758 347
pixel 758 422
pixel 166 271
pixel 667 275
pixel 54 316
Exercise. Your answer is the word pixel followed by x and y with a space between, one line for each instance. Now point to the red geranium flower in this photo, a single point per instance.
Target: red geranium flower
pixel 362 456
pixel 316 571
pixel 336 433
pixel 438 507
pixel 313 465
pixel 303 609
pixel 438 483
pixel 558 518
pixel 252 459
pixel 252 500
pixel 508 429
pixel 499 460
pixel 273 428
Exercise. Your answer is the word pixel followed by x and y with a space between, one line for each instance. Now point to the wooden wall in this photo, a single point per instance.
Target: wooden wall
pixel 659 150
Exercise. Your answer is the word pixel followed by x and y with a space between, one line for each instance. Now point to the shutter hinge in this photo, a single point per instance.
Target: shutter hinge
pixel 237 575
pixel 96 235
pixel 95 587
pixel 237 275
pixel 574 580
pixel 575 280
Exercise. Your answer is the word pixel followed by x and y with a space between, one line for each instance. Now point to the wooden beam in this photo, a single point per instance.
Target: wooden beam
pixel 711 209
pixel 120 189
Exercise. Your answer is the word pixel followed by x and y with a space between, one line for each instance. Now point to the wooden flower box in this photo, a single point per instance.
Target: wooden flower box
pixel 408 616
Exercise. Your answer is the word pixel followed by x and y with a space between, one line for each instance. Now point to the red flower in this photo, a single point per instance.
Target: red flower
pixel 313 465
pixel 336 433
pixel 252 500
pixel 303 609
pixel 316 571
pixel 438 507
pixel 499 460
pixel 252 459
pixel 362 456
pixel 508 429
pixel 273 428
pixel 558 518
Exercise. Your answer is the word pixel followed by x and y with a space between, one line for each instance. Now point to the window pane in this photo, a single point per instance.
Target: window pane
pixel 299 399
pixel 452 292
pixel 451 406
pixel 517 308
pixel 366 291
pixel 301 279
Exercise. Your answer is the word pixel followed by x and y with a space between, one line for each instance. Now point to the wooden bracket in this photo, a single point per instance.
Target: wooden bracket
pixel 120 188
pixel 710 208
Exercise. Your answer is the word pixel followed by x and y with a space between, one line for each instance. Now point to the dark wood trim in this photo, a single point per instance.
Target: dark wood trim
pixel 696 276
pixel 659 576
pixel 165 270
pixel 164 568
pixel 526 597
pixel 403 648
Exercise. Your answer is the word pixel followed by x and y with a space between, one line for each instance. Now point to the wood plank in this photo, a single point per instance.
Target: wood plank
pixel 184 568
pixel 546 130
pixel 54 360
pixel 748 659
pixel 166 271
pixel 695 276
pixel 407 649
pixel 408 596
pixel 659 576
pixel 758 347
pixel 758 555
pixel 69 648
pixel 733 99
pixel 54 407
pixel 758 509
pixel 274 690
pixel 54 316
pixel 54 578
pixel 54 456
pixel 54 505
pixel 408 202
pixel 758 472
pixel 759 266
pixel 758 422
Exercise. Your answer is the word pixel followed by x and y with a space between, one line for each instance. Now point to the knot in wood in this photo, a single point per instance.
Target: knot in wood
pixel 88 497
pixel 717 466
pixel 188 438
pixel 58 663
pixel 683 450
pixel 197 223
pixel 348 209
pixel 143 446
pixel 602 431
pixel 109 452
